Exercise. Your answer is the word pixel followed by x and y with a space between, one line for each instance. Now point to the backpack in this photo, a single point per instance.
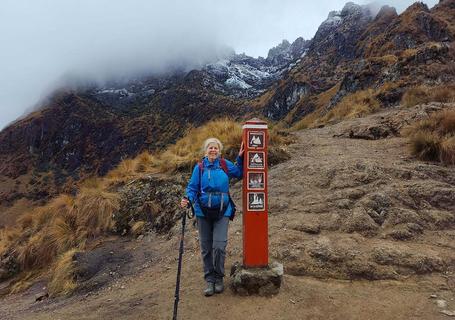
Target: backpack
pixel 223 166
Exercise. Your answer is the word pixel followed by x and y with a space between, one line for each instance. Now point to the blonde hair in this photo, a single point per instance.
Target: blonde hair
pixel 209 141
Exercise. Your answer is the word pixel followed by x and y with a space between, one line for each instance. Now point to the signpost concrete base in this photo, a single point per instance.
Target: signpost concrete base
pixel 256 281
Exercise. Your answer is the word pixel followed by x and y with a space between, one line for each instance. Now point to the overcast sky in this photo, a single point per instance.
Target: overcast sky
pixel 44 40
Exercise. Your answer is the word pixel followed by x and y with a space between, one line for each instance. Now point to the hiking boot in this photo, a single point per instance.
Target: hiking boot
pixel 210 290
pixel 219 286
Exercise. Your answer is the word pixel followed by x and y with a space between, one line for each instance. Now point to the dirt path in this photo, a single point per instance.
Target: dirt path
pixel 363 230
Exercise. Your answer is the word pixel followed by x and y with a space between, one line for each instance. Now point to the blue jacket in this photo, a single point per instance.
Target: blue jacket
pixel 214 187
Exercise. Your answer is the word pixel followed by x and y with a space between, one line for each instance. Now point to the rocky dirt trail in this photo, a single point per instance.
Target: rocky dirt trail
pixel 364 232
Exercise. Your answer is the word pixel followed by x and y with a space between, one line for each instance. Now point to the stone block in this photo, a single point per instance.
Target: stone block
pixel 256 281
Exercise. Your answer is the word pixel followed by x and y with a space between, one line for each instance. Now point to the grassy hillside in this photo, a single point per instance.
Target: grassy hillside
pixel 42 240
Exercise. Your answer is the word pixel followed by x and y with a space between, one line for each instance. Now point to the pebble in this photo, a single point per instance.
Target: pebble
pixel 441 303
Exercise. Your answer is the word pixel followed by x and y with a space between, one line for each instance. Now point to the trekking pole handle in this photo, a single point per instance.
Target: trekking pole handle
pixel 190 205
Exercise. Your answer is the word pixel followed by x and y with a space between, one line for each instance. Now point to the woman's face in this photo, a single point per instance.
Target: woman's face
pixel 213 151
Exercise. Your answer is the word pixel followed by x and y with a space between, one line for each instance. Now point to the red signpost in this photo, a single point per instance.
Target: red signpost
pixel 255 209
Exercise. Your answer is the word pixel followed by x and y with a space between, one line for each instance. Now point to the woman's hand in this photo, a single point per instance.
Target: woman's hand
pixel 242 149
pixel 184 202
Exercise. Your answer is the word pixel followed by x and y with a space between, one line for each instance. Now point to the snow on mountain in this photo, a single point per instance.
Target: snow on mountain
pixel 244 76
pixel 234 74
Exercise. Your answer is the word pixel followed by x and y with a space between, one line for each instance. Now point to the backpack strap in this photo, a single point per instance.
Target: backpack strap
pixel 200 164
pixel 224 166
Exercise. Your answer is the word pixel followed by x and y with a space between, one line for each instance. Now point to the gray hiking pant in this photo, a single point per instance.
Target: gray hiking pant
pixel 213 240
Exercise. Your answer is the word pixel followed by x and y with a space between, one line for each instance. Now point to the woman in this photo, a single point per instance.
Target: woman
pixel 208 191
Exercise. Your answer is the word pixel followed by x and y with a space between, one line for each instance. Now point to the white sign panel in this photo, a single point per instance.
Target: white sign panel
pixel 256 139
pixel 256 160
pixel 256 201
pixel 256 180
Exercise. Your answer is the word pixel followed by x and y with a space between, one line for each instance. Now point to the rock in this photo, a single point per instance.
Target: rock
pixel 360 269
pixel 448 313
pixel 324 252
pixel 371 132
pixel 441 303
pixel 3 273
pixel 361 222
pixel 285 99
pixel 405 232
pixel 151 199
pixel 256 281
pixel 403 260
pixel 41 296
pixel 343 204
pixel 8 265
pixel 309 228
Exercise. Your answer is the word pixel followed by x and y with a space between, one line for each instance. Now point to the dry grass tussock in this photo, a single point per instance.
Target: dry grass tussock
pixel 65 223
pixel 186 152
pixel 24 281
pixel 7 236
pixel 424 94
pixel 130 168
pixel 433 139
pixel 62 280
pixel 313 119
pixel 138 228
pixel 354 105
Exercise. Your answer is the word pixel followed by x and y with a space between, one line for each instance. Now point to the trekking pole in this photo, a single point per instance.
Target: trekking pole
pixel 179 267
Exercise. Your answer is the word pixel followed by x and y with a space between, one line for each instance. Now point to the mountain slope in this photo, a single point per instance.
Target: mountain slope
pixel 79 134
pixel 356 62
pixel 339 209
pixel 354 51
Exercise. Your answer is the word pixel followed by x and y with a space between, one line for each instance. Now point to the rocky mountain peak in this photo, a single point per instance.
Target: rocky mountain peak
pixel 417 6
pixel 299 46
pixel 337 36
pixel 351 8
pixel 279 49
pixel 333 19
pixel 285 52
pixel 386 12
pixel 350 11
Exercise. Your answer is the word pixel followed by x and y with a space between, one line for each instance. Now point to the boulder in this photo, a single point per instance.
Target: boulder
pixel 256 281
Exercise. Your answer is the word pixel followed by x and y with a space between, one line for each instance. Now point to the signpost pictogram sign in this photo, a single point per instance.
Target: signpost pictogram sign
pixel 255 215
